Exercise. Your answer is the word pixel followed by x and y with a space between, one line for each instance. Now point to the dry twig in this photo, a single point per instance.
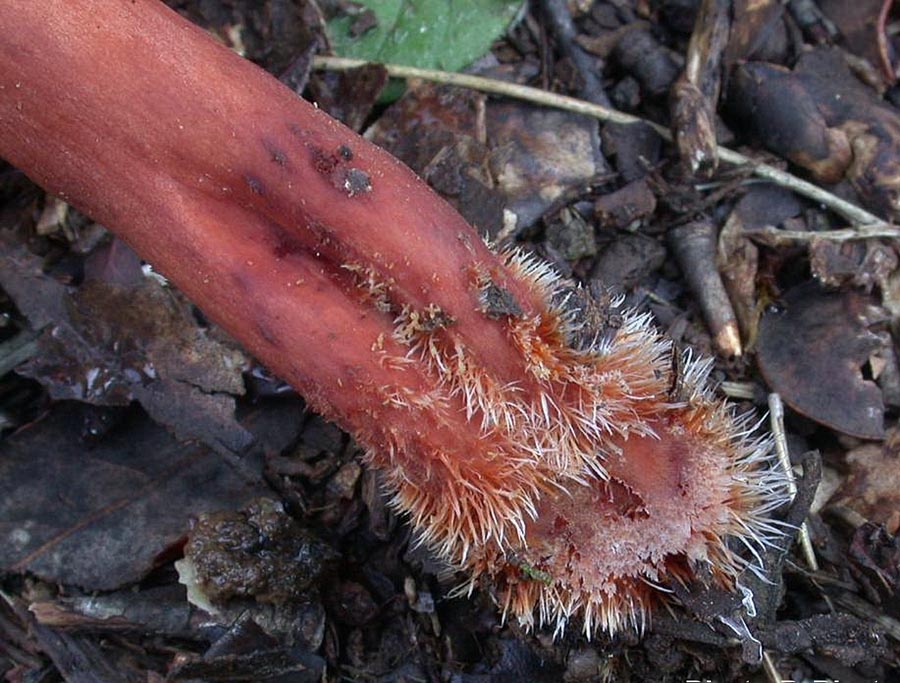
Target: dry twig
pixel 863 222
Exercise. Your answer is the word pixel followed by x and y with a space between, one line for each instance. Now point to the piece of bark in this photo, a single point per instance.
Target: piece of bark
pixel 628 261
pixel 811 349
pixel 849 639
pixel 625 208
pixel 635 148
pixel 589 69
pixel 652 64
pixel 695 95
pixel 161 611
pixel 571 235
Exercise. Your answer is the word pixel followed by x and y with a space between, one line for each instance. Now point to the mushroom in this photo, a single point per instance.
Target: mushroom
pixel 550 444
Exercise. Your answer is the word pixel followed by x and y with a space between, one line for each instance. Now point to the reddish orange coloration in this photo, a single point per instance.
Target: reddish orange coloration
pixel 533 437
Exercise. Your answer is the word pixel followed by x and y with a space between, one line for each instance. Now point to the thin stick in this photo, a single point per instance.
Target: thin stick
pixel 774 236
pixel 854 214
pixel 17 350
pixel 776 416
pixel 771 670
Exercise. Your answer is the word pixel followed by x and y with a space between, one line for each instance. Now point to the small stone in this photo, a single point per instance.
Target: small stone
pixel 583 666
pixel 259 552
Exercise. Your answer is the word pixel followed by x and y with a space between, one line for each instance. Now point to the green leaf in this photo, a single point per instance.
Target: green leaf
pixel 435 34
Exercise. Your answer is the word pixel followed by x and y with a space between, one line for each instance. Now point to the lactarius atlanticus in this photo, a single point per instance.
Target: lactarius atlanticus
pixel 547 444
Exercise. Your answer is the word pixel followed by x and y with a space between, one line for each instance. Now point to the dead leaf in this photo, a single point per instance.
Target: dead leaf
pixel 109 344
pixel 811 351
pixel 489 156
pixel 101 518
pixel 858 23
pixel 860 263
pixel 246 652
pixel 876 550
pixel 822 118
pixel 349 96
pixel 439 132
pixel 758 32
pixel 538 155
pixel 872 488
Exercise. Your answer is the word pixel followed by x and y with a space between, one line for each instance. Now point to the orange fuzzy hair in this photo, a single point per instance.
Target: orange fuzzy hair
pixel 615 473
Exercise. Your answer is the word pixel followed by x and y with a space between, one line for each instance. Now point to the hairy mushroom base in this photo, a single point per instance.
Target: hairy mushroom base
pixel 614 474
pixel 542 441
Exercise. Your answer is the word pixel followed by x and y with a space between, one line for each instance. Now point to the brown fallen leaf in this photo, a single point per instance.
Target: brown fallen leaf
pixel 270 33
pixel 860 263
pixel 539 155
pixel 102 518
pixel 349 96
pixel 811 350
pixel 820 117
pixel 815 24
pixel 245 652
pixel 440 133
pixel 485 157
pixel 875 550
pixel 872 488
pixel 109 343
pixel 772 104
pixel 859 27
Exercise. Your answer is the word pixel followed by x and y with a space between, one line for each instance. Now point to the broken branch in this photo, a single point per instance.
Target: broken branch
pixel 851 212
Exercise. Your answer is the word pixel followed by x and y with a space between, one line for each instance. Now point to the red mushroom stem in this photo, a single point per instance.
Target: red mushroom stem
pixel 534 437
